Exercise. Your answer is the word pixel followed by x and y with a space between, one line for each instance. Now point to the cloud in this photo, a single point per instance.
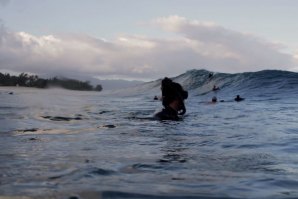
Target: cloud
pixel 4 2
pixel 197 45
pixel 228 50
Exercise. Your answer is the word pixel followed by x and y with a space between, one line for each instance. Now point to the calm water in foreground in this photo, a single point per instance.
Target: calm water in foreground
pixel 67 144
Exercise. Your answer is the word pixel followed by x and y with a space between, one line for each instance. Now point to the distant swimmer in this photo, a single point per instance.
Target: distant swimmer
pixel 215 88
pixel 214 99
pixel 210 75
pixel 173 96
pixel 238 98
pixel 155 97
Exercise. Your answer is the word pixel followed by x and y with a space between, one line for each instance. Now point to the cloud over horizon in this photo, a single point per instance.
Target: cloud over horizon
pixel 197 45
pixel 4 2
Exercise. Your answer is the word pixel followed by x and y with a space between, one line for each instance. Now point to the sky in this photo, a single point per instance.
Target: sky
pixel 147 39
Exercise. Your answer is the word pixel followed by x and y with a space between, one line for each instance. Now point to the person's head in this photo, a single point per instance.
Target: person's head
pixel 166 82
pixel 214 99
pixel 172 91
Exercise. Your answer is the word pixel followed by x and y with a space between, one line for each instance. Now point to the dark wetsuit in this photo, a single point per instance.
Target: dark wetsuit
pixel 167 114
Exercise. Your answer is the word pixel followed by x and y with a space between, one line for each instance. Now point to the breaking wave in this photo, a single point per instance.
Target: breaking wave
pixel 265 84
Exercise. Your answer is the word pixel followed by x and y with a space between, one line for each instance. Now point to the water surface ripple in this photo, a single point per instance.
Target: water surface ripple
pixel 67 144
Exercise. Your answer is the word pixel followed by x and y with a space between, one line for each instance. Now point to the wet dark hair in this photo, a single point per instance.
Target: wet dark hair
pixel 214 99
pixel 172 91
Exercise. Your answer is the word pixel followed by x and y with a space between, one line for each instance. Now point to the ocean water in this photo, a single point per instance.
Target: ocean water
pixel 69 144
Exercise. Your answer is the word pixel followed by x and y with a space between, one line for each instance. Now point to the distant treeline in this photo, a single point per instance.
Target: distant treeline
pixel 26 80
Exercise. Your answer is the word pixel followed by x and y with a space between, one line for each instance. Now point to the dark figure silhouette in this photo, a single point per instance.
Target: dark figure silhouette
pixel 238 98
pixel 215 88
pixel 214 99
pixel 173 96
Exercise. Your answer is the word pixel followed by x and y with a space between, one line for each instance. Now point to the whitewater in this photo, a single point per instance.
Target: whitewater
pixel 71 144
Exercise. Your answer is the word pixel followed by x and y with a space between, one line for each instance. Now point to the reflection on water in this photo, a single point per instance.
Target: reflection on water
pixel 175 149
pixel 67 144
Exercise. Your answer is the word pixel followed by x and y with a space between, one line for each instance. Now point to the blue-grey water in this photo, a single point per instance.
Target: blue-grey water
pixel 69 144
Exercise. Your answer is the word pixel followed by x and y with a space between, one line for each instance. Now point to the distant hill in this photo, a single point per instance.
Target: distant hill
pixel 109 84
pixel 26 80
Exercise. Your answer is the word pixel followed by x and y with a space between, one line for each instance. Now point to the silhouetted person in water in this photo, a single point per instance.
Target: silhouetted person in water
pixel 238 98
pixel 214 99
pixel 215 88
pixel 173 97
